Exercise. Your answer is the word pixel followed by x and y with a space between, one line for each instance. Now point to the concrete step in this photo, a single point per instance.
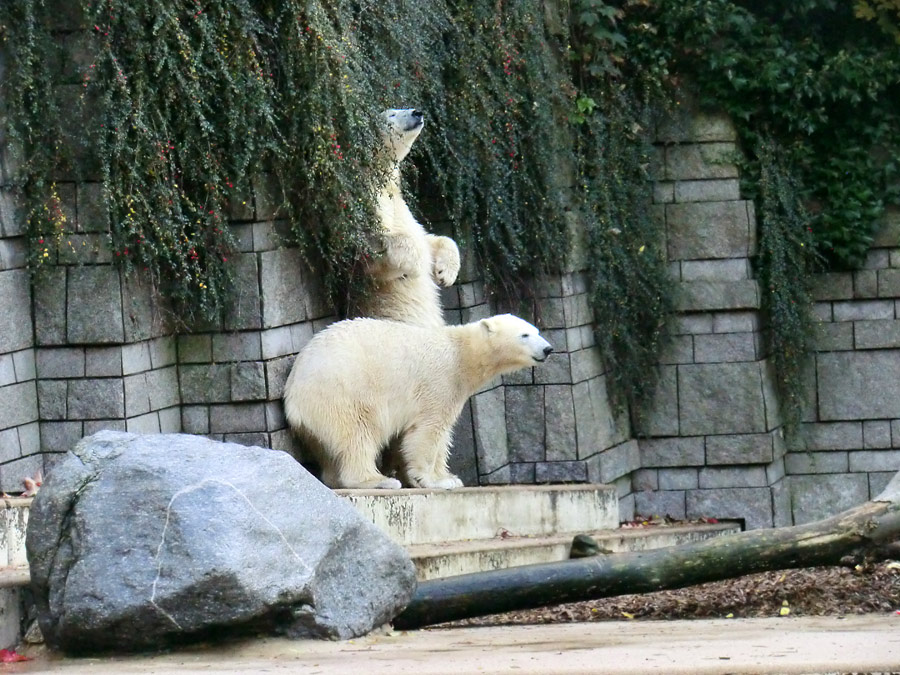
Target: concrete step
pixel 417 516
pixel 436 561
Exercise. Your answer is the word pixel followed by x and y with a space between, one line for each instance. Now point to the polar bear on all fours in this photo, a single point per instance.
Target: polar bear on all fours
pixel 410 263
pixel 362 382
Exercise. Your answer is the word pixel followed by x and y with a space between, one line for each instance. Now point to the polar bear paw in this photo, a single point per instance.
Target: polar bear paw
pixel 449 482
pixel 445 261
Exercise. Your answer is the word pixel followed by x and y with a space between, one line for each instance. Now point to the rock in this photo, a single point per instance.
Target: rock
pixel 138 542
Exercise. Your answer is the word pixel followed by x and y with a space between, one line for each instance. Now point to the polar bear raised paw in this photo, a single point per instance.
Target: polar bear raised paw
pixel 445 260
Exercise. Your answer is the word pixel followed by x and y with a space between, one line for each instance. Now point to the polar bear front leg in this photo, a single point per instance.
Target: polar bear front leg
pixel 354 466
pixel 445 262
pixel 425 451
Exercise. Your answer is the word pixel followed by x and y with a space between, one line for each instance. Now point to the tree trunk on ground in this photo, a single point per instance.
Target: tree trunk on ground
pixel 846 536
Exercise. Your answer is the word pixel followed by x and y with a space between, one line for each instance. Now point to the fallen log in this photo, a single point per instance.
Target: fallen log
pixel 847 536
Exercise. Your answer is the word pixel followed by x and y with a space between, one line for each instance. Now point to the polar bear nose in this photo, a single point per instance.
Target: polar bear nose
pixel 418 114
pixel 547 350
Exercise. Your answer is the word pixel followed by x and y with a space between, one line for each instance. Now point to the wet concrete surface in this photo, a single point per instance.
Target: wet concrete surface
pixel 789 645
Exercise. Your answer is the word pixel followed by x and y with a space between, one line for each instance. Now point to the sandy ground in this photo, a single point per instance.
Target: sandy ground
pixel 857 644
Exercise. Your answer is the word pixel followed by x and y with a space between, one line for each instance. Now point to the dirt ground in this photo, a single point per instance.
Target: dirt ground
pixel 817 591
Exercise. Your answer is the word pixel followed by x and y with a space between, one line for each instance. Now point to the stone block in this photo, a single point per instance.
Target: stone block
pixel 707 230
pixel 688 124
pixel 195 419
pixel 255 439
pixel 137 398
pixel 30 438
pixel 96 398
pixel 728 189
pixel 24 364
pixel 775 471
pixel 284 294
pixel 598 425
pixel 194 348
pixel 614 463
pixel 52 396
pixel 162 387
pixel 7 370
pixel 822 311
pixel 561 442
pixel 236 347
pixel 859 385
pixel 663 503
pixel 874 460
pixel 244 312
pixel 301 334
pixel 723 398
pixel 135 358
pixel 60 436
pixel 557 369
pixel 18 403
pixel 705 296
pixel 833 286
pixel 91 249
pixel 816 462
pixel 60 363
pixel 663 192
pixel 269 236
pixel 50 306
pixel 521 473
pixel 645 479
pixel 678 479
pixel 861 310
pixel 525 423
pixel 865 284
pixel 586 364
pixel 691 324
pixel 753 505
pixel 237 418
pixel 733 477
pixel 626 508
pixel 735 322
pixel 489 422
pixel 140 307
pixel 103 361
pixel 560 472
pixel 9 450
pixel 876 434
pixel 93 215
pixel 94 306
pixel 205 383
pixel 726 347
pixel 275 418
pixel 878 481
pixel 163 352
pixel 15 311
pixel 144 424
pixel 877 258
pixel 13 254
pixel 814 497
pixel 678 349
pixel 551 313
pixel 248 381
pixel 578 310
pixel 11 475
pixel 731 269
pixel 833 436
pixel 740 449
pixel 889 283
pixel 276 342
pixel 883 334
pixel 672 452
pixel 93 426
pixel 277 371
pixel 170 420
pixel 888 234
pixel 833 337
pixel 660 418
pixel 695 161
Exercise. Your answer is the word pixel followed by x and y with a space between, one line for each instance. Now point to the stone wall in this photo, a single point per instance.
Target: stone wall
pixel 87 347
pixel 852 424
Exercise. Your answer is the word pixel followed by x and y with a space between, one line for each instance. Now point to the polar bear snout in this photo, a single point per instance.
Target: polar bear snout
pixel 543 354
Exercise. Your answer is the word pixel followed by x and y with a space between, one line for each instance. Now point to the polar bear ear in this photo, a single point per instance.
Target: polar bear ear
pixel 488 324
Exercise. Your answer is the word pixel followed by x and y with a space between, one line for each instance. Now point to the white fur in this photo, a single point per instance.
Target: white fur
pixel 411 263
pixel 360 383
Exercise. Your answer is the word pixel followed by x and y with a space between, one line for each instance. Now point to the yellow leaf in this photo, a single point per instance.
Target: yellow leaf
pixel 730 615
pixel 627 615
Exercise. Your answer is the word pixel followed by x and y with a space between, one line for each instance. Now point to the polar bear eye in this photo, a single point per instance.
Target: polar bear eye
pixel 524 335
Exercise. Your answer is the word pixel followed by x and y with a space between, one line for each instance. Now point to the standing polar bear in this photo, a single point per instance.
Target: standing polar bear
pixel 362 382
pixel 411 263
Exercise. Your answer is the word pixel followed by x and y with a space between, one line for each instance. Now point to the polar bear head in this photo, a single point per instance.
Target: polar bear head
pixel 513 342
pixel 400 128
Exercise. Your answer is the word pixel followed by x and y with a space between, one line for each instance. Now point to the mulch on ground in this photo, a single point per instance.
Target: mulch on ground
pixel 816 591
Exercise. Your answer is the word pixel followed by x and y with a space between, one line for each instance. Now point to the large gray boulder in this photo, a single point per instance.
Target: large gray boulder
pixel 138 542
